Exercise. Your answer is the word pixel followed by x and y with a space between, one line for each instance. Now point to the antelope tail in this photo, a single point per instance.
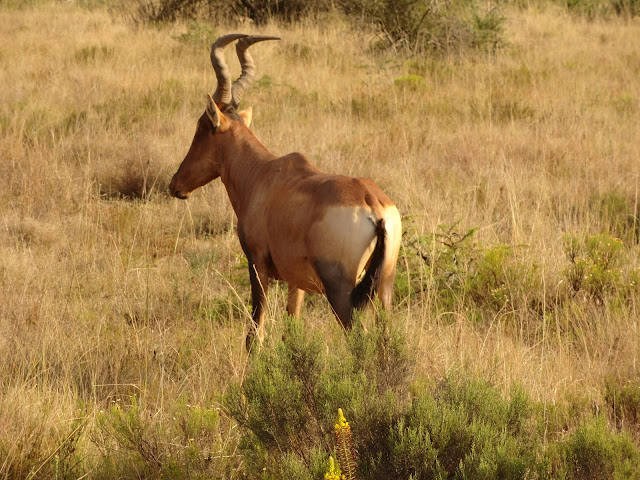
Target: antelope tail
pixel 369 284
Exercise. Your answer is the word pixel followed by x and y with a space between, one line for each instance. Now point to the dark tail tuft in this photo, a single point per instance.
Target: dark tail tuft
pixel 369 285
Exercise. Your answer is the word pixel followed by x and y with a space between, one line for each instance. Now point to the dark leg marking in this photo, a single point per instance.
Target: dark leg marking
pixel 338 287
pixel 259 284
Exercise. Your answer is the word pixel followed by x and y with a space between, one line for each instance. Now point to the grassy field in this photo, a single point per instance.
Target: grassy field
pixel 123 311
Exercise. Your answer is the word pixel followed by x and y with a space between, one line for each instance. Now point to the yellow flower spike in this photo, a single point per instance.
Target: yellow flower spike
pixel 333 473
pixel 344 448
pixel 342 422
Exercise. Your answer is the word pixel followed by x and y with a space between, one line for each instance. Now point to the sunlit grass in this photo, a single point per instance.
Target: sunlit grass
pixel 114 293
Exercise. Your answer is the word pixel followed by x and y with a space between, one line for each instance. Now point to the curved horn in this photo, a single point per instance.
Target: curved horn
pixel 223 90
pixel 245 80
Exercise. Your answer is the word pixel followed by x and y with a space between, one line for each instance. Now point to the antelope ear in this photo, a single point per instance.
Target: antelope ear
pixel 219 121
pixel 246 116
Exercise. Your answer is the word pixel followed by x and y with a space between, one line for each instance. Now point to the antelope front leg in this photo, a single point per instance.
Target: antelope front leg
pixel 259 284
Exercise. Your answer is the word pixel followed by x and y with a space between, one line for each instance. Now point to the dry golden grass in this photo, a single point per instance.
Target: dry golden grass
pixel 112 290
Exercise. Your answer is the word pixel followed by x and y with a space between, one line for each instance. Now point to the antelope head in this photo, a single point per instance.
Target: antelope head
pixel 203 161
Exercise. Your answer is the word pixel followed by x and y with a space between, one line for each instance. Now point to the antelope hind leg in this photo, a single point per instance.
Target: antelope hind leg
pixel 294 301
pixel 338 287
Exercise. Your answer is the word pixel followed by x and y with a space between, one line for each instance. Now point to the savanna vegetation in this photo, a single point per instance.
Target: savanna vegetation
pixel 510 145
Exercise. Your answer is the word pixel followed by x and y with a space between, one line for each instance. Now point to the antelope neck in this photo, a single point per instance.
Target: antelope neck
pixel 245 160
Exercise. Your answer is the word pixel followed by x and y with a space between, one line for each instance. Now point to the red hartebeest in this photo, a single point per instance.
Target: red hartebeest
pixel 318 232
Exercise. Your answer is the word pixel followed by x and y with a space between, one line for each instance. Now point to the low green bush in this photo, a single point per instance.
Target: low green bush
pixel 185 443
pixel 418 26
pixel 260 11
pixel 592 452
pixel 619 214
pixel 402 427
pixel 594 264
pixel 410 82
pixel 626 8
pixel 464 429
pixel 288 400
pixel 462 273
pixel 623 400
pixel 592 9
pixel 411 26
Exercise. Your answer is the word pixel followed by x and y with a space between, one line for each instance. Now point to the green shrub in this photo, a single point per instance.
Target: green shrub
pixel 593 452
pixel 490 283
pixel 411 82
pixel 185 443
pixel 594 264
pixel 260 11
pixel 590 450
pixel 198 34
pixel 134 445
pixel 171 10
pixel 419 26
pixel 31 448
pixel 487 29
pixel 464 429
pixel 441 260
pixel 413 26
pixel 281 404
pixel 587 8
pixel 623 400
pixel 602 8
pixel 288 400
pixel 463 273
pixel 618 213
pixel 458 427
pixel 626 8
